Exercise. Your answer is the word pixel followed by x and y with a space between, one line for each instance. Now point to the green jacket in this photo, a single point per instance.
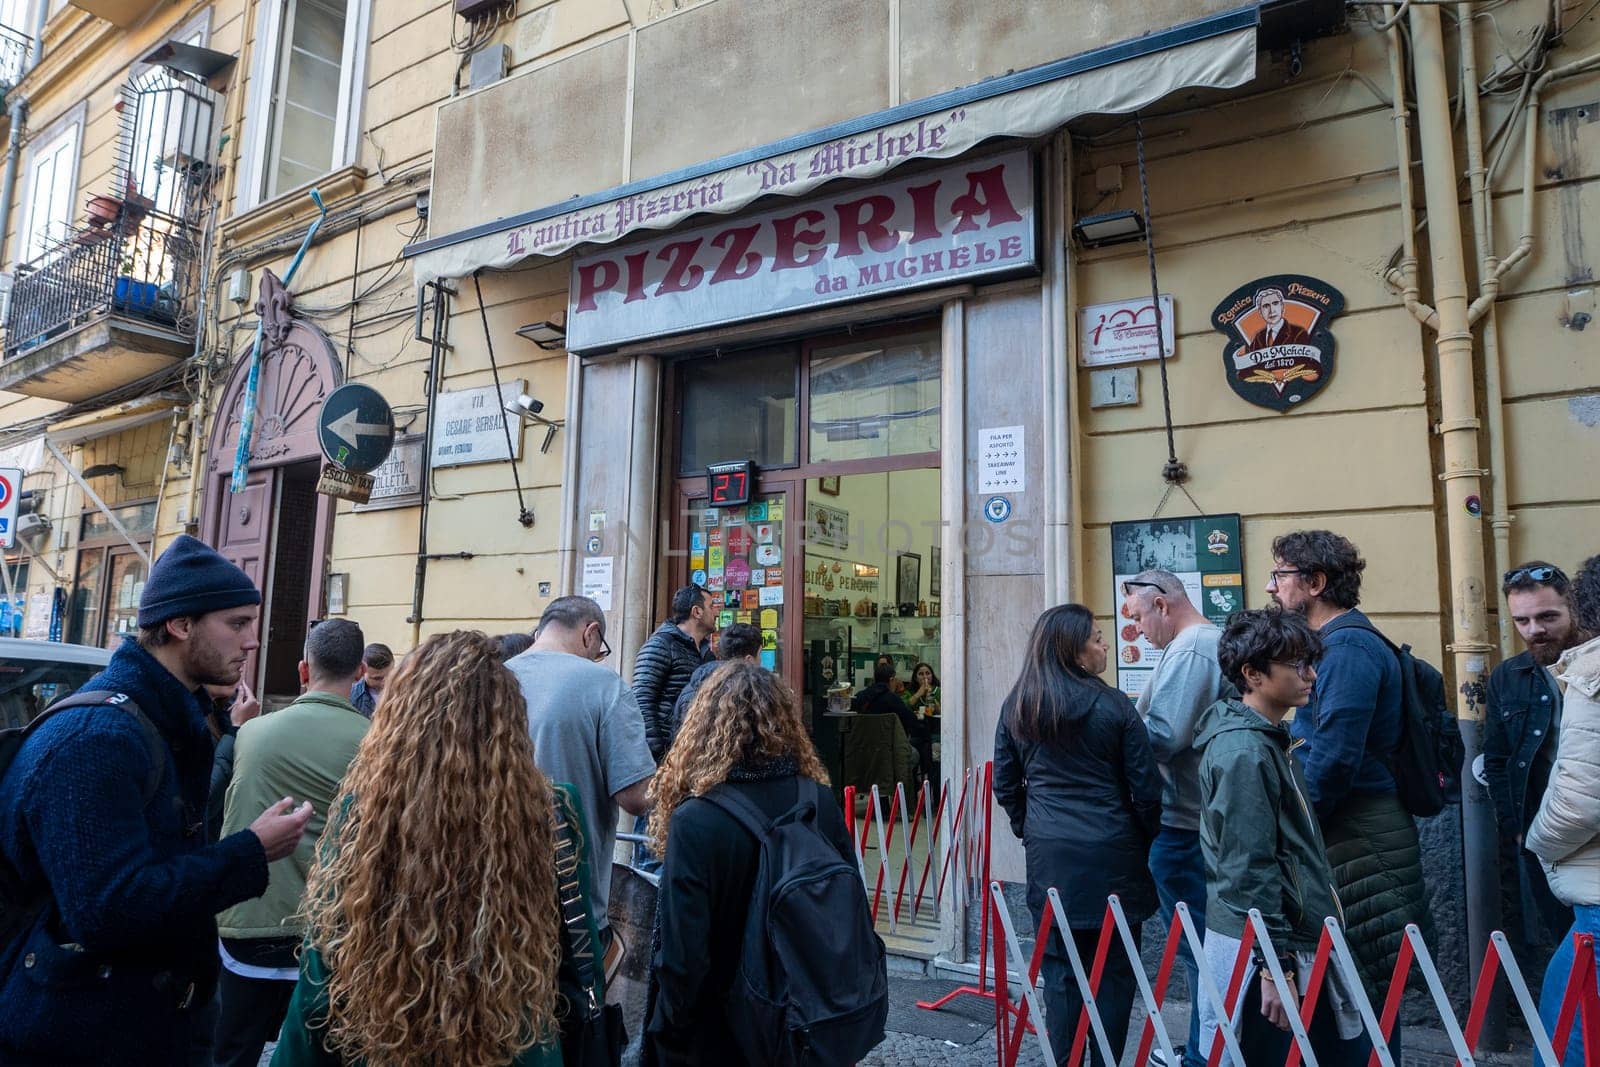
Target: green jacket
pixel 1262 845
pixel 301 751
pixel 300 1042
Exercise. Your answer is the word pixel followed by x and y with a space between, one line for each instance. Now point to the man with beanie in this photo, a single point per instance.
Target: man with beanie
pixel 102 831
pixel 303 752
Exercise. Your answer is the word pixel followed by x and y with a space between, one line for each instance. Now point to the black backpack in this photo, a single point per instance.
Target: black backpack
pixel 18 906
pixel 813 982
pixel 1427 763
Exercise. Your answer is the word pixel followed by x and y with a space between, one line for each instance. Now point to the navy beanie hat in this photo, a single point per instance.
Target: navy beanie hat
pixel 192 578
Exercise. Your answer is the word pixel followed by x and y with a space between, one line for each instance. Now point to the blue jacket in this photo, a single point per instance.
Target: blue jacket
pixel 1519 744
pixel 116 967
pixel 1351 728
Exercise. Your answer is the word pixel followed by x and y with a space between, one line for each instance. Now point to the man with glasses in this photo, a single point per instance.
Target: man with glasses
pixel 586 730
pixel 1187 681
pixel 1519 745
pixel 1348 735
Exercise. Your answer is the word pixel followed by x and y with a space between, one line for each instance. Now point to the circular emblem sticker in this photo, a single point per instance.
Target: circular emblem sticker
pixel 594 545
pixel 997 509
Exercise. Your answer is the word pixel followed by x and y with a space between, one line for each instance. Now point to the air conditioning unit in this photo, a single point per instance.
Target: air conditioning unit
pixel 33 528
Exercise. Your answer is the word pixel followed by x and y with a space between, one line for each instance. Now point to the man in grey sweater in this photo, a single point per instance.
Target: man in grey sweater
pixel 1187 680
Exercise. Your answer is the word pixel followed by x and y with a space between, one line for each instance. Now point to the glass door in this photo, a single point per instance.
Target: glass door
pixel 127 574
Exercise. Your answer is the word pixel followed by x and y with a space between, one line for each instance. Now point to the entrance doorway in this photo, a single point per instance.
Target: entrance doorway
pixel 835 557
pixel 276 528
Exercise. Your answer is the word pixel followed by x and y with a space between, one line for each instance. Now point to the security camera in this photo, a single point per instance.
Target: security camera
pixel 528 405
pixel 529 408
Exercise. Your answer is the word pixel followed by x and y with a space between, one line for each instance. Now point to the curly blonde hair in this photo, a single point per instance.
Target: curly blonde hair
pixel 741 715
pixel 433 899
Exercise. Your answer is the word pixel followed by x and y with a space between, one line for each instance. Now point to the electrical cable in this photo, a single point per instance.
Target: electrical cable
pixel 1173 472
pixel 526 516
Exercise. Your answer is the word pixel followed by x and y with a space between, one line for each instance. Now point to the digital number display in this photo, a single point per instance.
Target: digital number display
pixel 730 484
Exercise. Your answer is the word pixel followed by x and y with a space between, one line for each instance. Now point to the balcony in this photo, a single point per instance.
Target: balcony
pixel 14 45
pixel 112 302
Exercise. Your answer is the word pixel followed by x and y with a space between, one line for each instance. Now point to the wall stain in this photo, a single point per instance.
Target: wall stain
pixel 1585 409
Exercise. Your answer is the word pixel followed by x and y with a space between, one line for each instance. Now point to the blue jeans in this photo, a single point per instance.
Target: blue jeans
pixel 1586 920
pixel 1180 873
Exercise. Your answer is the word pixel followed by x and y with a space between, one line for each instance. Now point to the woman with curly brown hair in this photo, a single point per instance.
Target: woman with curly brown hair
pixel 742 730
pixel 435 929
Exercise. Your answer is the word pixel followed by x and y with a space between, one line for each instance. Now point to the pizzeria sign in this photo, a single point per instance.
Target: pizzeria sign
pixel 931 228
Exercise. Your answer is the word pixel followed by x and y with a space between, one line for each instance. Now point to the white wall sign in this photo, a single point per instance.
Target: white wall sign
pixel 1002 460
pixel 469 426
pixel 934 227
pixel 36 626
pixel 597 571
pixel 397 481
pixel 1123 331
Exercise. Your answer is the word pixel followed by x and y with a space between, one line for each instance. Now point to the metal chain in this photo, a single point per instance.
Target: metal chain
pixel 1174 472
pixel 524 515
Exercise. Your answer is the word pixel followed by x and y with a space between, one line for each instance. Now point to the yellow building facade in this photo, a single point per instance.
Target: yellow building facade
pixel 942 444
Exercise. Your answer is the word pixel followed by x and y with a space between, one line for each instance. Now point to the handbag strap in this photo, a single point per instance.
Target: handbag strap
pixel 574 908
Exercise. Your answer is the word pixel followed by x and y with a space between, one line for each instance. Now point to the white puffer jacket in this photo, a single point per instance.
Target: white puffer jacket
pixel 1565 835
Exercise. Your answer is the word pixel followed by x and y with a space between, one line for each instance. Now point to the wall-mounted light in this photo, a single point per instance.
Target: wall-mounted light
pixel 1108 228
pixel 548 335
pixel 101 470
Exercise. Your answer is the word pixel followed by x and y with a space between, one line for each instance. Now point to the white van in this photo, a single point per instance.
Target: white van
pixel 35 674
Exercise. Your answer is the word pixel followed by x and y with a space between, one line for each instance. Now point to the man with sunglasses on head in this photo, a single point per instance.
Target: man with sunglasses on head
pixel 586 730
pixel 1519 744
pixel 1348 736
pixel 1187 680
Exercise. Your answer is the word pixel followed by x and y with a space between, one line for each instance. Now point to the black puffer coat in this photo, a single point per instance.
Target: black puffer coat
pixel 1377 869
pixel 661 670
pixel 1086 809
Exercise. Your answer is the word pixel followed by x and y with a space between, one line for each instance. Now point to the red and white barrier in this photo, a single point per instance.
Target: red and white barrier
pixel 1581 1004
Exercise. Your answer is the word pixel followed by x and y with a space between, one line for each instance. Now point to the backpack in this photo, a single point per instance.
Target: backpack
pixel 813 983
pixel 1426 764
pixel 19 907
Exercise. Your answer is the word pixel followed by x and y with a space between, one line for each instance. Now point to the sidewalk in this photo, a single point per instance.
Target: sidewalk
pixel 963 1033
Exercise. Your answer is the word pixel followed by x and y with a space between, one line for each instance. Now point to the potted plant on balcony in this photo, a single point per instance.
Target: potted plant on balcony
pixel 132 295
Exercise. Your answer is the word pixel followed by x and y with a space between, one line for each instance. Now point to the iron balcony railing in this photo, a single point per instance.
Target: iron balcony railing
pixel 14 45
pixel 145 270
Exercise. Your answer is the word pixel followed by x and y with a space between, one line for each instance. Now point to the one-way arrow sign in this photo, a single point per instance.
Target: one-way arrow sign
pixel 355 428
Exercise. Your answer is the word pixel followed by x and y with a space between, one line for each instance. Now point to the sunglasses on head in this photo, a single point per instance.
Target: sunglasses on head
pixel 1129 586
pixel 1542 575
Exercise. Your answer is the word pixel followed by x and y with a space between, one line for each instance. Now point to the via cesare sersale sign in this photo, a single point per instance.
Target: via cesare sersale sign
pixel 10 494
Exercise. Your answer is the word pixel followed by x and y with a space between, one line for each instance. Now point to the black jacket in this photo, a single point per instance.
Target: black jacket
pixel 1086 808
pixel 680 707
pixel 1519 746
pixel 706 881
pixel 879 699
pixel 660 672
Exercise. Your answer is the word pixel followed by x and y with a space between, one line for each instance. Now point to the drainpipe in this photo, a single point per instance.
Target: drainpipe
pixel 8 182
pixel 1462 476
pixel 1493 392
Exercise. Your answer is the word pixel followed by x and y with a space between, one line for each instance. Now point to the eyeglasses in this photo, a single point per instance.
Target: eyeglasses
pixel 1542 575
pixel 1306 670
pixel 605 649
pixel 1130 585
pixel 1279 575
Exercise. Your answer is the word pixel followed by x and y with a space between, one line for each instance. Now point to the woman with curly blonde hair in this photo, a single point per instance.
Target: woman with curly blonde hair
pixel 435 929
pixel 743 730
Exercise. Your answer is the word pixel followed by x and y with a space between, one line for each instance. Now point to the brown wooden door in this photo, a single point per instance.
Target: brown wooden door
pixel 245 532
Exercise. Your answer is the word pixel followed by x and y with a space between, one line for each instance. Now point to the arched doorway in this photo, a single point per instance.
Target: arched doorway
pixel 277 529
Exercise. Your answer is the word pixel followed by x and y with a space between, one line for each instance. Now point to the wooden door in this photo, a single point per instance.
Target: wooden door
pixel 244 535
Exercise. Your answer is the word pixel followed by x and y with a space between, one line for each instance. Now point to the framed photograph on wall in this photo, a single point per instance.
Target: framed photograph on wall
pixel 828 484
pixel 338 592
pixel 936 561
pixel 907 578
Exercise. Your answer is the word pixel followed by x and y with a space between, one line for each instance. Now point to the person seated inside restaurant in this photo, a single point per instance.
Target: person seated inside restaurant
pixel 881 698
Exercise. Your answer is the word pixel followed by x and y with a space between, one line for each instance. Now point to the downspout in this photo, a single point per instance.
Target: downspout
pixel 1493 393
pixel 1403 276
pixel 1462 476
pixel 1061 560
pixel 19 118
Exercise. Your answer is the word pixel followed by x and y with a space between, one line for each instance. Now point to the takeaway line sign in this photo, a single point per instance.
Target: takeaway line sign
pixel 973 219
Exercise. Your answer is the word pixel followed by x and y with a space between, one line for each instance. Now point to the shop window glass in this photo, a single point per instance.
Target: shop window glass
pixel 739 407
pixel 139 520
pixel 875 399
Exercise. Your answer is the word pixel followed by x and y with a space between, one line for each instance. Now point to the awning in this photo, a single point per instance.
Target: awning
pixel 1218 52
pixel 114 419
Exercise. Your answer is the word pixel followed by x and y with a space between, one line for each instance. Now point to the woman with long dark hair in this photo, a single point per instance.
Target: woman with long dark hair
pixel 1075 774
pixel 435 924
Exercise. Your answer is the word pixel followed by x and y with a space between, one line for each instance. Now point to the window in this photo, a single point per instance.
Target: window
pixel 741 407
pixel 49 202
pixel 306 90
pixel 875 399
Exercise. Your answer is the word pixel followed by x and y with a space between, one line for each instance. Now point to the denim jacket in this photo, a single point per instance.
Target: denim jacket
pixel 1519 744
